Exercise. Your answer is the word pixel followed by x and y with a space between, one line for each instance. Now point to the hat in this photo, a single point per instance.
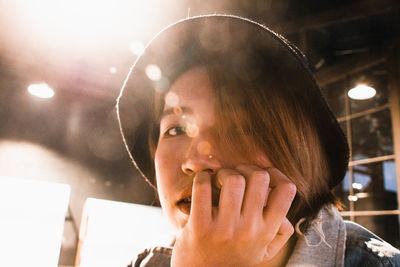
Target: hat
pixel 222 37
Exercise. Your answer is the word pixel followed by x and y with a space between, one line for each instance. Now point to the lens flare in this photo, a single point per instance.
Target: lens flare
pixel 113 70
pixel 177 110
pixel 172 99
pixel 41 90
pixel 192 130
pixel 204 148
pixel 153 72
pixel 137 48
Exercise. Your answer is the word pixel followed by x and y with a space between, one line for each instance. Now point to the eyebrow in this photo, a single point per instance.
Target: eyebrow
pixel 169 111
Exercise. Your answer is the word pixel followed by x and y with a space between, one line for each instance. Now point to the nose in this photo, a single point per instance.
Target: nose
pixel 201 156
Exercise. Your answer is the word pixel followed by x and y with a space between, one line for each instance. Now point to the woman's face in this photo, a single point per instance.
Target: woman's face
pixel 187 144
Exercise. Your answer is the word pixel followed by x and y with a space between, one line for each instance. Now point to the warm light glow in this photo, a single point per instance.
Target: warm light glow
pixel 204 148
pixel 361 92
pixel 41 90
pixel 352 198
pixel 111 233
pixel 192 130
pixel 357 186
pixel 82 22
pixel 137 48
pixel 153 72
pixel 172 100
pixel 113 70
pixel 32 221
pixel 362 195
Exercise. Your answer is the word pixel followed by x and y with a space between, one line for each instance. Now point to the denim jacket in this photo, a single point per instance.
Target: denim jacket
pixel 328 241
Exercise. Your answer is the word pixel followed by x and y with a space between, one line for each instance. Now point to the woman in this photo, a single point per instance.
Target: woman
pixel 242 149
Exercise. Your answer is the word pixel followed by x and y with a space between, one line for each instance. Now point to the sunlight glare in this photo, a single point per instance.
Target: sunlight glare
pixel 137 48
pixel 33 215
pixel 41 90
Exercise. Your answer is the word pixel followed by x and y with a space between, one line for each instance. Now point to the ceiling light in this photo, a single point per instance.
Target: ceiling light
pixel 41 90
pixel 357 186
pixel 352 198
pixel 361 92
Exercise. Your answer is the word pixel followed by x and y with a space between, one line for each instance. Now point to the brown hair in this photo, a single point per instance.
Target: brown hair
pixel 257 110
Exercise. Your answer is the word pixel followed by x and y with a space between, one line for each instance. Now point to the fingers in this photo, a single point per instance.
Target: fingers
pixel 231 198
pixel 277 191
pixel 285 232
pixel 279 200
pixel 250 216
pixel 201 207
pixel 257 184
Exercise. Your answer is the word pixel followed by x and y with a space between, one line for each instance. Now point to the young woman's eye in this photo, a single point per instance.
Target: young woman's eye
pixel 175 131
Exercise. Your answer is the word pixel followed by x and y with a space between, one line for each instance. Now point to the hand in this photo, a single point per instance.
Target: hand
pixel 248 228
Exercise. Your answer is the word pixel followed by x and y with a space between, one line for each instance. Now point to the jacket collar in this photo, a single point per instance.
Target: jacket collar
pixel 323 243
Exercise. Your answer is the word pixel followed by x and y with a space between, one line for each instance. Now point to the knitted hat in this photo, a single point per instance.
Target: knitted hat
pixel 225 37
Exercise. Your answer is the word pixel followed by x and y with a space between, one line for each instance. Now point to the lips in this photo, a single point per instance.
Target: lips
pixel 184 205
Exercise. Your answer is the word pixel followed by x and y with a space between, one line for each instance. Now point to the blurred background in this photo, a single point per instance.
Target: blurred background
pixel 62 64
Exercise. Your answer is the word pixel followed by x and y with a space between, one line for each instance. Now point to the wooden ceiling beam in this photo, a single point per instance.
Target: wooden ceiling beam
pixel 353 65
pixel 357 10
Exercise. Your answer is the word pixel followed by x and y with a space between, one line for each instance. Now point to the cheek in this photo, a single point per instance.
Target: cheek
pixel 165 161
pixel 167 169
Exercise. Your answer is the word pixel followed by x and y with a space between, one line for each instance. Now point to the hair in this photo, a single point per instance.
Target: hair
pixel 257 110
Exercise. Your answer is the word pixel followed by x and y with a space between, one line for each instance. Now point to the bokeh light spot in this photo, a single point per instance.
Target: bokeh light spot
pixel 113 70
pixel 172 99
pixel 352 198
pixel 192 130
pixel 41 90
pixel 357 186
pixel 162 85
pixel 137 48
pixel 177 110
pixel 153 72
pixel 204 148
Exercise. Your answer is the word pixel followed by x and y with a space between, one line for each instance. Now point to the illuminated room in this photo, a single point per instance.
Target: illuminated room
pixel 70 195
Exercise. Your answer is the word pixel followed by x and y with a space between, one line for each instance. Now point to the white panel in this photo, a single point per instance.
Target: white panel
pixel 112 233
pixel 32 215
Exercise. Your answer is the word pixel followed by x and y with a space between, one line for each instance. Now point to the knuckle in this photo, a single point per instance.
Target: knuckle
pixel 268 237
pixel 236 180
pixel 290 230
pixel 260 175
pixel 249 231
pixel 286 228
pixel 290 188
pixel 224 235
